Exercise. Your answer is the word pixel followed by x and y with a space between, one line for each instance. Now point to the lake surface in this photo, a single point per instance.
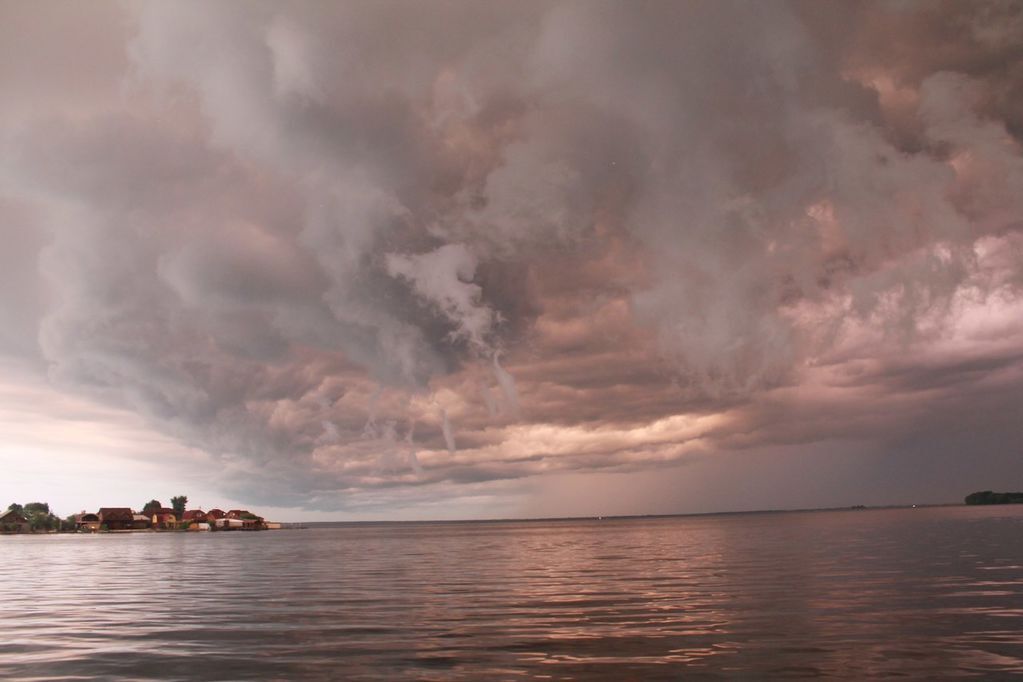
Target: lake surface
pixel 921 593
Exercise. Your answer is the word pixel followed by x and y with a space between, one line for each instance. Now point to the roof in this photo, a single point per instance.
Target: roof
pixel 12 516
pixel 86 517
pixel 215 514
pixel 116 514
pixel 194 514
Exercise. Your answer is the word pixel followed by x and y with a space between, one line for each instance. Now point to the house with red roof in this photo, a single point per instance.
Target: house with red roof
pixel 166 521
pixel 196 515
pixel 249 520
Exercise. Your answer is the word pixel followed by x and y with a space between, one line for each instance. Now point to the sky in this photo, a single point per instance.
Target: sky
pixel 439 260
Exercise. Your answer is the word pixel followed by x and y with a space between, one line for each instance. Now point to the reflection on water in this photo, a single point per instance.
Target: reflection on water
pixel 923 593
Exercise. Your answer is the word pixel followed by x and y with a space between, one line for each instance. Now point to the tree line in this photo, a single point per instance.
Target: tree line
pixel 40 517
pixel 989 497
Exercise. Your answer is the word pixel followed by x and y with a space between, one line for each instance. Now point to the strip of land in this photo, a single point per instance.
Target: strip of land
pixel 36 517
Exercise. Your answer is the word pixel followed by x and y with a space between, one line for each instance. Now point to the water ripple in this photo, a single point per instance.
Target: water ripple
pixel 921 593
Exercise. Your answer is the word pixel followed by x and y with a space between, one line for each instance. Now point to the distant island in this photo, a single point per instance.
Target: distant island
pixel 36 517
pixel 989 497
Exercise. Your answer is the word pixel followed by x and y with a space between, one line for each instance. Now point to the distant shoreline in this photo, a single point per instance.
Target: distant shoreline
pixel 625 517
pixel 309 525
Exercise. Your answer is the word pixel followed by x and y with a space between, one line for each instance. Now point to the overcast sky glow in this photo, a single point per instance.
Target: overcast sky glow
pixel 380 260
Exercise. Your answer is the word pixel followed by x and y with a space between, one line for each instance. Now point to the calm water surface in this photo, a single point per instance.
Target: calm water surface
pixel 919 593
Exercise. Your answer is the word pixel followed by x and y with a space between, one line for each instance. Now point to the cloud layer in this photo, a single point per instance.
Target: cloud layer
pixel 360 250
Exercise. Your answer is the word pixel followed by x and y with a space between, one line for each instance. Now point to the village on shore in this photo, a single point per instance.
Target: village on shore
pixel 35 517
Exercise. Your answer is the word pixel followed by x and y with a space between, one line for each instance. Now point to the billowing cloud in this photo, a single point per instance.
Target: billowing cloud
pixel 379 251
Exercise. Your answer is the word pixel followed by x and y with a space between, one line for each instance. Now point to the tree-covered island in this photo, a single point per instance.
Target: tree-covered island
pixel 989 497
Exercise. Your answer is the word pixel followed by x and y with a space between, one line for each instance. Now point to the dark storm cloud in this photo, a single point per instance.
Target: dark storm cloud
pixel 358 247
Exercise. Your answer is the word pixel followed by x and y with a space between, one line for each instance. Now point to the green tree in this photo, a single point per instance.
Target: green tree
pixel 16 507
pixel 152 507
pixel 39 516
pixel 178 503
pixel 990 497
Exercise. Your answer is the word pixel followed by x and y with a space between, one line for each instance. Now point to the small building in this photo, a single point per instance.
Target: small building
pixel 165 521
pixel 12 521
pixel 116 518
pixel 194 515
pixel 214 514
pixel 229 524
pixel 140 521
pixel 200 526
pixel 87 521
pixel 249 520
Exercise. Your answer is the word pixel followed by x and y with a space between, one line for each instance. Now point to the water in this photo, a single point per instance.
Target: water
pixel 920 593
